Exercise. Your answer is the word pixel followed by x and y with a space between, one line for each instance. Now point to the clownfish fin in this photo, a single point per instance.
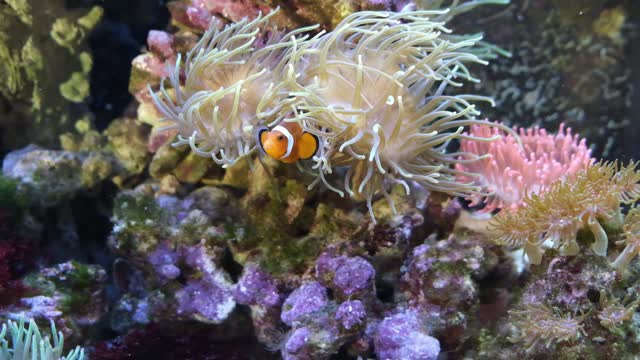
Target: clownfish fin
pixel 262 136
pixel 307 145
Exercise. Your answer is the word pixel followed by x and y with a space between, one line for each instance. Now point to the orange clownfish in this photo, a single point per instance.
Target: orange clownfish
pixel 287 142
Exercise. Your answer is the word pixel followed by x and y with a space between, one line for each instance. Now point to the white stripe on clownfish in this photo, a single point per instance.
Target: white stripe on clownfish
pixel 290 140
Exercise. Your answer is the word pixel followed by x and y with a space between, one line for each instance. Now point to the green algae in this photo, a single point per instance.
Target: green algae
pixel 76 89
pixel 11 199
pixel 138 210
pixel 22 9
pixel 92 18
pixel 127 140
pixel 66 34
pixel 44 95
pixel 32 59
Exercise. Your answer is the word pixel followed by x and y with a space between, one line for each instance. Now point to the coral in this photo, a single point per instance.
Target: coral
pixel 45 63
pixel 518 167
pixel 259 290
pixel 18 342
pixel 568 308
pixel 403 336
pixel 199 14
pixel 296 342
pixel 614 314
pixel 631 231
pixel 539 328
pixel 554 218
pixel 385 132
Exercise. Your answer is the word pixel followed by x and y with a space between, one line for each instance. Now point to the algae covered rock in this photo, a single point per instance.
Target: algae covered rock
pixel 45 63
pixel 48 177
pixel 174 247
pixel 72 294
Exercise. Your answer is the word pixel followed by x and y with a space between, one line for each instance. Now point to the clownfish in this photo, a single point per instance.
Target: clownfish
pixel 287 142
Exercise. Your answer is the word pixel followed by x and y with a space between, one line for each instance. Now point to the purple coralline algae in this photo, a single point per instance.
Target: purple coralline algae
pixel 351 314
pixel 164 261
pixel 404 337
pixel 256 287
pixel 210 297
pixel 354 276
pixel 296 342
pixel 305 300
pixel 348 277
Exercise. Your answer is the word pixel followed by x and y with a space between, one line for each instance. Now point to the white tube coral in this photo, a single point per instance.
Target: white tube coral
pixel 373 91
pixel 232 85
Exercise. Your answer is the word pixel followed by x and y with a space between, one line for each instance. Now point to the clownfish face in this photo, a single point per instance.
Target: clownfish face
pixel 275 143
pixel 287 143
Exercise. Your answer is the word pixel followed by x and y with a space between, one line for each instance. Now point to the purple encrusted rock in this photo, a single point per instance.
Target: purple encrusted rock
pixel 354 276
pixel 164 262
pixel 351 314
pixel 198 258
pixel 297 340
pixel 326 266
pixel 419 346
pixel 208 299
pixel 403 337
pixel 304 300
pixel 256 287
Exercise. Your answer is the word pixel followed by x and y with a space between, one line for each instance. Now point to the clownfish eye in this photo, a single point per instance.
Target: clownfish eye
pixel 281 137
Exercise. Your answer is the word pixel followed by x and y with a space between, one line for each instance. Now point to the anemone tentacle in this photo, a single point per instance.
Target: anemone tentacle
pixel 232 84
pixel 374 89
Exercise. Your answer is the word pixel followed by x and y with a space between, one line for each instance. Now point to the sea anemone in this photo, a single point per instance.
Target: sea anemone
pixel 18 342
pixel 553 219
pixel 517 169
pixel 232 85
pixel 373 92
